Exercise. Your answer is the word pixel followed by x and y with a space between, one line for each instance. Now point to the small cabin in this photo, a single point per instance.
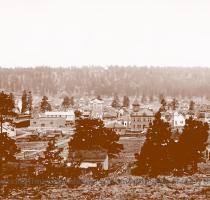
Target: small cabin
pixel 90 159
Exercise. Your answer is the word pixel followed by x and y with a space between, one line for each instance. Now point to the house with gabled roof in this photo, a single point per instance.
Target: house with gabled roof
pixel 118 127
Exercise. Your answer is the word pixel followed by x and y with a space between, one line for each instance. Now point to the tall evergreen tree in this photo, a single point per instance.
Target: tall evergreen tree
pixel 192 105
pixel 72 101
pixel 8 148
pixel 163 104
pixel 24 102
pixel 91 133
pixel 30 102
pixel 161 97
pixel 192 143
pixel 77 113
pixel 174 104
pixel 51 156
pixel 126 101
pixel 66 102
pixel 154 158
pixel 6 107
pixel 11 102
pixel 45 106
pixel 116 102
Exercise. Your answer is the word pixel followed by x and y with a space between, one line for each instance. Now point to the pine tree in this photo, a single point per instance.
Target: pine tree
pixel 24 102
pixel 116 102
pixel 72 101
pixel 66 102
pixel 161 97
pixel 51 156
pixel 192 143
pixel 45 106
pixel 126 101
pixel 155 158
pixel 163 104
pixel 77 113
pixel 8 148
pixel 192 105
pixel 30 102
pixel 174 104
pixel 12 101
pixel 6 107
pixel 91 133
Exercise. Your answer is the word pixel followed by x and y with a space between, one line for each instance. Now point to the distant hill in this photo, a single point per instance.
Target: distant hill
pixel 148 81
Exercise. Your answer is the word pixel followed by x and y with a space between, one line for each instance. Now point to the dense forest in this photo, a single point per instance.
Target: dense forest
pixel 173 81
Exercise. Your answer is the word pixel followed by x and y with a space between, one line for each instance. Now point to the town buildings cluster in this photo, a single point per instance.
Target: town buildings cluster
pixel 131 120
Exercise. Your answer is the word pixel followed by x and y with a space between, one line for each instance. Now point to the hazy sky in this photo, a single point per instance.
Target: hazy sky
pixel 104 32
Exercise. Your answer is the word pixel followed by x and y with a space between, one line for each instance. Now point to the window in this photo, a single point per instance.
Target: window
pixel 42 125
pixel 51 122
pixel 34 122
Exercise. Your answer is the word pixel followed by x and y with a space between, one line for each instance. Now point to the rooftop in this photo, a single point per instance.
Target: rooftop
pixel 135 102
pixel 71 112
pixel 89 155
pixel 143 112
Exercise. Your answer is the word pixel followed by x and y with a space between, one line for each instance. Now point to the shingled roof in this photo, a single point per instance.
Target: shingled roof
pixel 143 112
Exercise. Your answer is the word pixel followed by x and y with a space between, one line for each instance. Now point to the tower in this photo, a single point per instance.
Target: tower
pixel 136 105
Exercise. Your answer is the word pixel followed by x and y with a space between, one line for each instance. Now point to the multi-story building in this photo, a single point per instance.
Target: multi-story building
pixel 97 106
pixel 178 120
pixel 140 117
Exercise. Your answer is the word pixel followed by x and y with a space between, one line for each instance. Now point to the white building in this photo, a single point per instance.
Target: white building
pixel 69 116
pixel 178 120
pixel 97 107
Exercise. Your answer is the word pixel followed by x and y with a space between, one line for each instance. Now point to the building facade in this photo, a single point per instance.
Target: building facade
pixel 178 120
pixel 69 116
pixel 96 107
pixel 140 118
pixel 48 122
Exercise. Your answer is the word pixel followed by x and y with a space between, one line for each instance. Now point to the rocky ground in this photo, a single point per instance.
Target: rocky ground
pixel 123 188
pixel 120 185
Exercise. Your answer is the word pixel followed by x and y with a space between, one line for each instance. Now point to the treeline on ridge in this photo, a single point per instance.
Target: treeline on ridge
pixel 172 81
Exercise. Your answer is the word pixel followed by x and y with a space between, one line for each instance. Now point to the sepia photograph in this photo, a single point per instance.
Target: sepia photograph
pixel 104 99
